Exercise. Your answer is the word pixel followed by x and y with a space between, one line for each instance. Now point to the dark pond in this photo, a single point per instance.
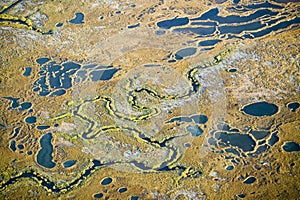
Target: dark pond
pixel 167 24
pixel 44 156
pixel 241 196
pixel 69 163
pixel 280 25
pixel 14 101
pixel 180 119
pixel 106 181
pixel 20 146
pixel 293 106
pixel 134 26
pixel 249 180
pixel 134 198
pixel 78 19
pixel 98 195
pixel 42 61
pixel 225 29
pixel 229 168
pixel 12 145
pixel 208 42
pixel 291 147
pixel 274 138
pixel 59 24
pixel 242 141
pixel 121 190
pixel 30 120
pixel 103 74
pixel 202 31
pixel 199 119
pixel 194 130
pixel 232 70
pixel 260 109
pixel 259 134
pixel 179 55
pixel 42 127
pixel 263 5
pixel 27 71
pixel 25 106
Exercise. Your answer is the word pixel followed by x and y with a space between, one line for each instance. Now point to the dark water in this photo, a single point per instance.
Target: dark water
pixel 44 156
pixel 229 168
pixel 242 141
pixel 98 195
pixel 14 101
pixel 208 42
pixel 293 106
pixel 134 26
pixel 260 109
pixel 28 71
pixel 59 24
pixel 69 163
pixel 249 180
pixel 106 181
pixel 259 134
pixel 78 19
pixel 291 147
pixel 12 146
pixel 42 61
pixel 199 119
pixel 122 190
pixel 103 74
pixel 185 53
pixel 42 127
pixel 30 120
pixel 167 24
pixel 25 106
pixel 194 130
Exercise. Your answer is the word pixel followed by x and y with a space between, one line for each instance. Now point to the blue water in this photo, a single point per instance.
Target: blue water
pixel 250 180
pixel 12 145
pixel 78 19
pixel 103 74
pixel 179 55
pixel 134 198
pixel 232 70
pixel 134 26
pixel 259 134
pixel 208 42
pixel 194 130
pixel 69 163
pixel 199 119
pixel 59 24
pixel 293 106
pixel 98 195
pixel 25 106
pixel 260 109
pixel 20 146
pixel 122 190
pixel 27 71
pixel 202 31
pixel 167 24
pixel 106 181
pixel 42 61
pixel 291 147
pixel 274 139
pixel 30 120
pixel 14 103
pixel 229 168
pixel 42 127
pixel 242 141
pixel 225 29
pixel 44 156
